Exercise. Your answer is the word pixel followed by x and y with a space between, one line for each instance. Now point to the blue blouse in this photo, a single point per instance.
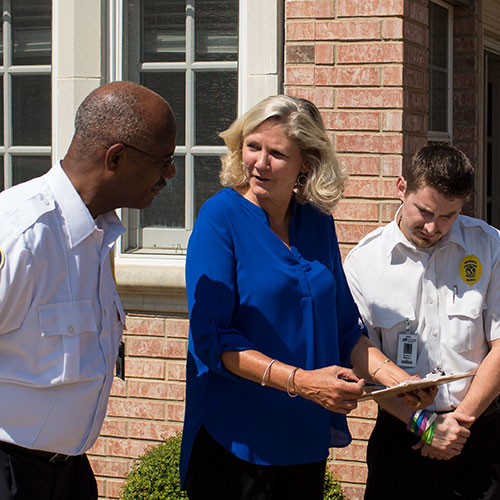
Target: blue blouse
pixel 247 290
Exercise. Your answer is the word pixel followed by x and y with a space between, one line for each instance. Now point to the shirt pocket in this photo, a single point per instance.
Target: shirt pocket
pixel 465 330
pixel 68 339
pixel 389 318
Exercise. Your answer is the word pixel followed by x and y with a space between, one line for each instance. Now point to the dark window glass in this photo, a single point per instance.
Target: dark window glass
pixel 206 179
pixel 25 168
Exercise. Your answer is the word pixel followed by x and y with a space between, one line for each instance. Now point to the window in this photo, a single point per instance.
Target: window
pixel 25 94
pixel 187 51
pixel 440 71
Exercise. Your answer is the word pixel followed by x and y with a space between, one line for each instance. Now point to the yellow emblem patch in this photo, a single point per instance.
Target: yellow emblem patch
pixel 2 258
pixel 471 269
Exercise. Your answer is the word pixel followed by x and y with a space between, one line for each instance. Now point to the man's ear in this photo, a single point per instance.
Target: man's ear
pixel 401 187
pixel 113 156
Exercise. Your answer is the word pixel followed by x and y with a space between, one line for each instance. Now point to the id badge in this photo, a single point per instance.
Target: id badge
pixel 407 350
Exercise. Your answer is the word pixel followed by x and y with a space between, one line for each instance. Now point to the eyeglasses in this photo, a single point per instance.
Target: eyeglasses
pixel 164 162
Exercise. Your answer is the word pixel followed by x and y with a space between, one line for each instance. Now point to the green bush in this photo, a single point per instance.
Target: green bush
pixel 155 476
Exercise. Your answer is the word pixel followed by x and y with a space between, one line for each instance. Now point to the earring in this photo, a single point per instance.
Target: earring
pixel 301 180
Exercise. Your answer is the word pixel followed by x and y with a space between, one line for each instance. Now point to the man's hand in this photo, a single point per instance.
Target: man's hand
pixel 450 435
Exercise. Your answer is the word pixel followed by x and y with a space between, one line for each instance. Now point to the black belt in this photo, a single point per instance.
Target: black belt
pixel 49 456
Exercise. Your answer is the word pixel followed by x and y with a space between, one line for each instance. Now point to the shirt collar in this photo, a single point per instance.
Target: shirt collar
pixel 454 235
pixel 79 222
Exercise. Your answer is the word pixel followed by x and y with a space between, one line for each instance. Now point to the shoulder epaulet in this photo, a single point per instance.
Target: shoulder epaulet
pixel 473 222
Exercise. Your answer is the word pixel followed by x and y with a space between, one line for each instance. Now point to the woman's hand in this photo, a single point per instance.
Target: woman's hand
pixel 421 398
pixel 334 387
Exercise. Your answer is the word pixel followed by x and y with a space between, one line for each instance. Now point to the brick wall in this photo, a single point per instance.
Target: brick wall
pixel 149 405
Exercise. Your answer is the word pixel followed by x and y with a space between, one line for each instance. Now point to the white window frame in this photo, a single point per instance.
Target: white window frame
pixel 438 136
pixel 155 281
pixel 7 71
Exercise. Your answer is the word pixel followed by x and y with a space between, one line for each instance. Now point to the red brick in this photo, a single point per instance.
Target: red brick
pixel 392 76
pixel 371 188
pixel 347 30
pixel 412 143
pixel 156 390
pixel 153 431
pixel 136 409
pixel 344 250
pixel 352 473
pixel 145 368
pixel 356 452
pixel 364 53
pixel 114 488
pixel 388 211
pixel 110 467
pixel 464 45
pixel 366 143
pixel 299 75
pixel 354 492
pixel 413 122
pixel 416 56
pixel 365 409
pixel 114 428
pixel 175 412
pixel 119 387
pixel 157 348
pixel 351 120
pixel 99 447
pixel 369 98
pixel 323 97
pixel 176 371
pixel 417 12
pixel 392 166
pixel 297 54
pixel 370 8
pixel 298 9
pixel 466 98
pixel 299 31
pixel 416 101
pixel 361 165
pixel 349 232
pixel 393 121
pixel 324 8
pixel 464 80
pixel 392 28
pixel 101 487
pixel 323 54
pixel 356 210
pixel 144 326
pixel 128 448
pixel 304 92
pixel 464 133
pixel 465 25
pixel 416 79
pixel 342 76
pixel 177 328
pixel 415 33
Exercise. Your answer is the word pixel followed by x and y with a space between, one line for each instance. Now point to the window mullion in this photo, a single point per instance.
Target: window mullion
pixel 190 114
pixel 7 92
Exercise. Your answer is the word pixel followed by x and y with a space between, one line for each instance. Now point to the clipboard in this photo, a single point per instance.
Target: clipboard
pixel 412 385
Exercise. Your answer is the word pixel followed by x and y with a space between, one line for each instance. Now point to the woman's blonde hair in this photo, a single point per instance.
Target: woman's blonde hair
pixel 302 122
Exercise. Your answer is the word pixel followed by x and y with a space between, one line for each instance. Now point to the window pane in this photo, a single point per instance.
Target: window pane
pixel 438 21
pixel 31 110
pixel 25 168
pixel 438 115
pixel 1 112
pixel 2 185
pixel 216 27
pixel 216 104
pixel 163 30
pixel 172 87
pixel 206 179
pixel 31 31
pixel 167 209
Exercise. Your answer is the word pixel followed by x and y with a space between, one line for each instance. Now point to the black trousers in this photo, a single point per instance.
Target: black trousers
pixel 216 474
pixel 26 476
pixel 397 472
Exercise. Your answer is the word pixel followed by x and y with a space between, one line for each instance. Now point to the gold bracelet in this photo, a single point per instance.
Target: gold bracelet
pixel 263 381
pixel 290 377
pixel 379 367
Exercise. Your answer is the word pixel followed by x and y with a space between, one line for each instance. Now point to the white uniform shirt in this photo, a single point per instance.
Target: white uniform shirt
pixel 60 316
pixel 450 293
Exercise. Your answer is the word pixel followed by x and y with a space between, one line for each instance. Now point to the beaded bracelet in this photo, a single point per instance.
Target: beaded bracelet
pixel 263 381
pixel 423 423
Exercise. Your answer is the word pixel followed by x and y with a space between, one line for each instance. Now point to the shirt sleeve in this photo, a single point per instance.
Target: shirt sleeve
pixel 350 325
pixel 357 294
pixel 16 282
pixel 492 312
pixel 211 290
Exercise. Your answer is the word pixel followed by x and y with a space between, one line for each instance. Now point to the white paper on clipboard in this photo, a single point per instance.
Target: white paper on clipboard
pixel 412 385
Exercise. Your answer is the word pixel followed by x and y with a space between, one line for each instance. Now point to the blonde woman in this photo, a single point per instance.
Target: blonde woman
pixel 271 316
